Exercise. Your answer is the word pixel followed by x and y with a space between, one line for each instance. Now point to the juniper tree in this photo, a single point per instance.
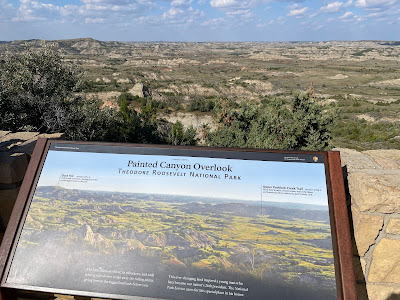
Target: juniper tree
pixel 37 90
pixel 303 124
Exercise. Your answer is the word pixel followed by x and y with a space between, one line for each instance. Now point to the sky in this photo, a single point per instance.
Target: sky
pixel 103 169
pixel 200 20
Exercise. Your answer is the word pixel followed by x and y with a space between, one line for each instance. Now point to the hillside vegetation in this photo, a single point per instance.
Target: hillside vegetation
pixel 264 95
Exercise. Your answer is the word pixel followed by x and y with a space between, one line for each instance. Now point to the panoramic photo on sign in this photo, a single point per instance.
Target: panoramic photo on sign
pixel 127 221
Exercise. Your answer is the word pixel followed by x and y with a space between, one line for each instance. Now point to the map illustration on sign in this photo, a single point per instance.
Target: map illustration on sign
pixel 171 226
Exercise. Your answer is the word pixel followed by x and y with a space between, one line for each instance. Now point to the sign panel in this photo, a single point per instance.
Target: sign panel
pixel 124 222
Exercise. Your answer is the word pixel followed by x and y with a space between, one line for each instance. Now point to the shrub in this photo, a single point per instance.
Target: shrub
pixel 303 125
pixel 203 105
pixel 37 90
pixel 181 136
pixel 364 132
pixel 89 122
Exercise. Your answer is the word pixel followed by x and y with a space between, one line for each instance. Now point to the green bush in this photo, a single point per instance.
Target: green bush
pixel 181 136
pixel 363 132
pixel 380 103
pixel 128 97
pixel 302 125
pixel 37 90
pixel 203 105
pixel 89 122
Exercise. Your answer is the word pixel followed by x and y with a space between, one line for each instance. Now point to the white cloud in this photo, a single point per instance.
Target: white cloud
pixel 172 13
pixel 348 3
pixel 223 3
pixel 298 12
pixel 90 11
pixel 293 6
pixel 69 11
pixel 175 17
pixel 347 15
pixel 94 20
pixel 352 18
pixel 180 3
pixel 98 8
pixel 332 7
pixel 238 4
pixel 7 11
pixel 374 3
pixel 35 11
pixel 215 23
pixel 122 7
pixel 242 13
pixel 153 16
pixel 376 14
pixel 237 12
pixel 256 3
pixel 388 15
pixel 279 20
pixel 114 11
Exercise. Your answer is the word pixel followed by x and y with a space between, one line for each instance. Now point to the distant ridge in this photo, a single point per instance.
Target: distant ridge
pixel 84 46
pixel 90 46
pixel 202 205
pixel 59 191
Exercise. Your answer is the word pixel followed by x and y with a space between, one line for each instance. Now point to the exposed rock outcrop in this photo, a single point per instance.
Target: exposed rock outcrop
pixel 139 90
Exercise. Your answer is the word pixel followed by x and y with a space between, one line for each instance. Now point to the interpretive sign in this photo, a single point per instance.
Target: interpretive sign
pixel 128 221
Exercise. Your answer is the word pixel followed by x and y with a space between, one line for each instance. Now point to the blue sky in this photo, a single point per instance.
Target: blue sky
pixel 103 169
pixel 200 20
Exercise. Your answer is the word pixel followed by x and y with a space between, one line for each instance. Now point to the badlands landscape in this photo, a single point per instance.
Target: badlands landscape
pixel 359 80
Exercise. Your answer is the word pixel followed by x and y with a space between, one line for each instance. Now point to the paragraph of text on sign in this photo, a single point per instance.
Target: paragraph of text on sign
pixel 207 286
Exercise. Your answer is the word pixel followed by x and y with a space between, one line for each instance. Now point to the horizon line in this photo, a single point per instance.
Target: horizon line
pixel 210 41
pixel 208 197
